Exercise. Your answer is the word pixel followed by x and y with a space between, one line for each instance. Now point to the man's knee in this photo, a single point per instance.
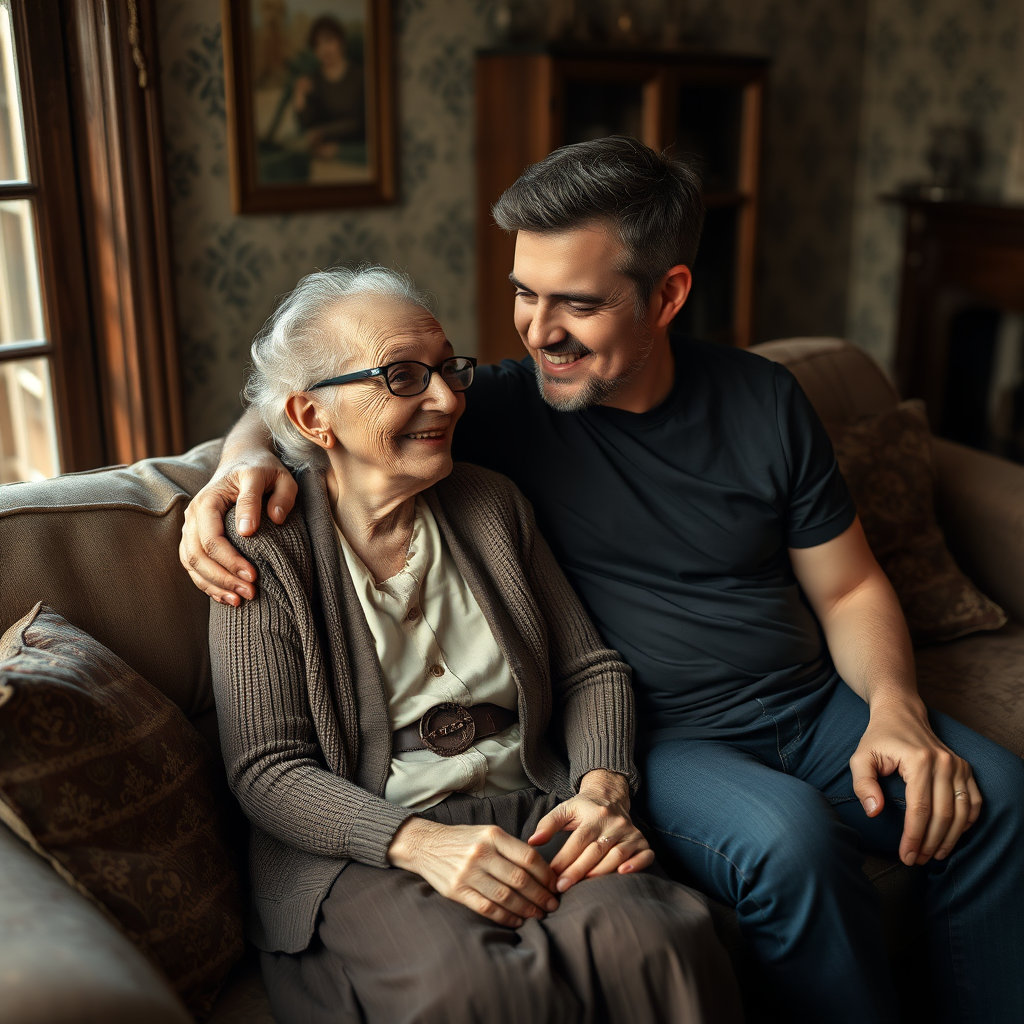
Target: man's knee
pixel 1002 792
pixel 804 849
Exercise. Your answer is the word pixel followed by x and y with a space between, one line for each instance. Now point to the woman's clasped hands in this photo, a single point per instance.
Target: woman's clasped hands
pixel 508 881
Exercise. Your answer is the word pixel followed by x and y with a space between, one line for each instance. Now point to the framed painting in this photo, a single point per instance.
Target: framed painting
pixel 310 103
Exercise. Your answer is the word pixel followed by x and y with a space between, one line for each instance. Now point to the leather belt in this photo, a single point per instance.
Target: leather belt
pixel 449 729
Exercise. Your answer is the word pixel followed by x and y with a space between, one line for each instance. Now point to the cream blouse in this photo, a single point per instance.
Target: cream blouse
pixel 435 645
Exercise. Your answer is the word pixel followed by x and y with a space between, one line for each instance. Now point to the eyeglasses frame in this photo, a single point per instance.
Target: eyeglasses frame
pixel 382 371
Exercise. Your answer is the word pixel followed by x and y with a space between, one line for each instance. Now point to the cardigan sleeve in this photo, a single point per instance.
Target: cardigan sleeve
pixel 276 715
pixel 591 684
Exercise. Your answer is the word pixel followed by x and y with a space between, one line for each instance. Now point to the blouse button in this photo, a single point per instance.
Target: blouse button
pixel 437 670
pixel 414 614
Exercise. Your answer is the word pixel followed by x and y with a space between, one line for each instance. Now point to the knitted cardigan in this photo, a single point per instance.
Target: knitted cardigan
pixel 302 709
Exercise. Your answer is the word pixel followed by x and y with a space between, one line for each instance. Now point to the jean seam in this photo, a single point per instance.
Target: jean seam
pixel 778 738
pixel 732 864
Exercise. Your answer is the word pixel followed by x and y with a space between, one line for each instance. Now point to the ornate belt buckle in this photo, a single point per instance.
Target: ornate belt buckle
pixel 447 729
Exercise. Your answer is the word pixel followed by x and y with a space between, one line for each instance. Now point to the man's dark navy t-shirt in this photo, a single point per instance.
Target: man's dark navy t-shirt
pixel 673 524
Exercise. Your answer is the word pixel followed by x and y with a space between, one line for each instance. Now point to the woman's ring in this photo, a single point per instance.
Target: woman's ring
pixel 605 839
pixel 960 794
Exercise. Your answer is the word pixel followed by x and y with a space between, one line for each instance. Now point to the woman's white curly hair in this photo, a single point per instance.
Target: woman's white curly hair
pixel 300 345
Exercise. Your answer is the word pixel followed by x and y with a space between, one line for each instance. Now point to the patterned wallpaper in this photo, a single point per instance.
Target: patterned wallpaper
pixel 229 269
pixel 928 62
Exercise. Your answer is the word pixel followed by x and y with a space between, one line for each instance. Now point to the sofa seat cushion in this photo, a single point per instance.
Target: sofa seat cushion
pixel 104 777
pixel 243 1000
pixel 979 680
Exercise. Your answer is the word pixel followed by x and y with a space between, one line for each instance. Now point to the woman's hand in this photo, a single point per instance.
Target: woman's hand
pixel 479 866
pixel 604 838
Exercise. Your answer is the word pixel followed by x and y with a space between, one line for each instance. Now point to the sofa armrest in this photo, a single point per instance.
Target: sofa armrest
pixel 980 505
pixel 62 961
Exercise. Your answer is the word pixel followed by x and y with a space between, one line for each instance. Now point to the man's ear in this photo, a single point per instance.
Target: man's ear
pixel 309 419
pixel 670 294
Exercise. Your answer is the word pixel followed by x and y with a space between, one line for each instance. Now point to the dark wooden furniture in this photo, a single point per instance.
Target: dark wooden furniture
pixel 88 78
pixel 531 100
pixel 957 255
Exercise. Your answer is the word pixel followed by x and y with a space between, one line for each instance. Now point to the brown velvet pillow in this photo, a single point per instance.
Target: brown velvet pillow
pixel 104 776
pixel 887 463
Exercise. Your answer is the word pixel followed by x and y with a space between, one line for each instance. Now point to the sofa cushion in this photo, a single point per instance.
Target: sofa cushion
pixel 887 463
pixel 243 1000
pixel 103 776
pixel 979 680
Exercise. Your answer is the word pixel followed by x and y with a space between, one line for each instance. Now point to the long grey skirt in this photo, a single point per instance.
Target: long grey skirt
pixel 389 949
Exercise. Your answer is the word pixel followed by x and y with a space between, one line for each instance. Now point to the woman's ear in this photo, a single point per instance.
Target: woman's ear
pixel 309 419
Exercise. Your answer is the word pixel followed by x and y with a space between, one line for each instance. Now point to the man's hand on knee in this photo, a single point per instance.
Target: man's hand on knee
pixel 942 798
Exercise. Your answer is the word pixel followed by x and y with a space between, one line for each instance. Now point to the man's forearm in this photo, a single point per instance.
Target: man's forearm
pixel 247 436
pixel 870 646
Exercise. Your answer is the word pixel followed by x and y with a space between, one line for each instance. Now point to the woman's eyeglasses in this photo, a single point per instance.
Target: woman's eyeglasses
pixel 408 378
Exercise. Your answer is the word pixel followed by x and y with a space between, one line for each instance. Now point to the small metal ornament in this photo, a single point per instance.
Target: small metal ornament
pixel 447 729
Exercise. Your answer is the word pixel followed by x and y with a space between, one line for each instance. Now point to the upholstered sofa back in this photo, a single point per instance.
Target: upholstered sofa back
pixel 842 382
pixel 101 548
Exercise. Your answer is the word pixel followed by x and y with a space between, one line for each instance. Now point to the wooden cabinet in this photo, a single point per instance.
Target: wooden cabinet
pixel 960 259
pixel 706 108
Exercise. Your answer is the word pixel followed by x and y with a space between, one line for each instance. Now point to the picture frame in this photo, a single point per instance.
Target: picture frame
pixel 309 90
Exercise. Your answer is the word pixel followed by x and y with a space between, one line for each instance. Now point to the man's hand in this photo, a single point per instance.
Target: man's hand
pixel 604 838
pixel 868 639
pixel 213 563
pixel 479 866
pixel 942 797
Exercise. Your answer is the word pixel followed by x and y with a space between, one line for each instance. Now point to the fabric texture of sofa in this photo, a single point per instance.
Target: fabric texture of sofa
pixel 101 549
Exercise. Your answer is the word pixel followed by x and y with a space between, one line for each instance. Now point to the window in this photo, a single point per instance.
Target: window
pixel 28 427
pixel 88 356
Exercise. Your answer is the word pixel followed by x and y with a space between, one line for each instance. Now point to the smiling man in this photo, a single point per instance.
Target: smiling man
pixel 692 498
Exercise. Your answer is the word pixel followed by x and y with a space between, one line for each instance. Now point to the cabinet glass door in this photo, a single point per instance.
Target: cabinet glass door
pixel 708 129
pixel 709 132
pixel 595 109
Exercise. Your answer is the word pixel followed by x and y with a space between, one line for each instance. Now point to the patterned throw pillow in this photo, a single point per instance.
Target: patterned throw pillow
pixel 103 776
pixel 887 463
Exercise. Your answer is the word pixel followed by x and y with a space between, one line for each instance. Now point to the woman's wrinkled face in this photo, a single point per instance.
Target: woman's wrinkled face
pixel 401 442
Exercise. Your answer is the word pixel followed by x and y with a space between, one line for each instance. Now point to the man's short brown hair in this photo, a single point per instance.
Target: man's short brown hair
pixel 651 200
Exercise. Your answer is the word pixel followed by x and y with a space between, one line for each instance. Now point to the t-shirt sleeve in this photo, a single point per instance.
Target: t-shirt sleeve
pixel 820 507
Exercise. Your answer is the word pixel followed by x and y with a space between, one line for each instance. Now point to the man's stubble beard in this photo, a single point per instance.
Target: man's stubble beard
pixel 595 390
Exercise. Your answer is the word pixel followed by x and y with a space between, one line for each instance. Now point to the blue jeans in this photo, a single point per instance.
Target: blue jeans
pixel 763 817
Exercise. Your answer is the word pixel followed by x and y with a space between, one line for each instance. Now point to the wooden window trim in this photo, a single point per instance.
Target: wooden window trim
pixel 103 238
pixel 53 191
pixel 120 154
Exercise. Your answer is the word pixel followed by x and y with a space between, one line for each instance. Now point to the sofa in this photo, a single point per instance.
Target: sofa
pixel 101 549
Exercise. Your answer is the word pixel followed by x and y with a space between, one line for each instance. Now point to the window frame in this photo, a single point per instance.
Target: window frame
pixel 52 189
pixel 97 185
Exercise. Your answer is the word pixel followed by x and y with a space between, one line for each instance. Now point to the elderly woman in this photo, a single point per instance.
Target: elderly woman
pixel 415 711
